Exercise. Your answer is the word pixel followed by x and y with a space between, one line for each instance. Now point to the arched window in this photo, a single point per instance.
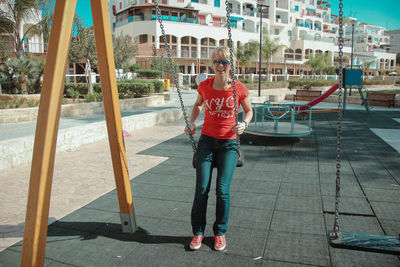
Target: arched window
pixel 172 42
pixel 189 47
pixel 298 54
pixel 289 54
pixel 208 46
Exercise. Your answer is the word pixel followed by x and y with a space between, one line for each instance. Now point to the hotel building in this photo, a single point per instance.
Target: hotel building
pixel 32 42
pixel 195 28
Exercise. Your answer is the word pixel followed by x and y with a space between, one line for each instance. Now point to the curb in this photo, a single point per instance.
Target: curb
pixel 18 151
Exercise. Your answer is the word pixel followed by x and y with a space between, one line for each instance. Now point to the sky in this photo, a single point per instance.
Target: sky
pixel 384 13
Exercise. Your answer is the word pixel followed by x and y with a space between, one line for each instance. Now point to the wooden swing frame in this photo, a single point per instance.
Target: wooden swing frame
pixel 37 212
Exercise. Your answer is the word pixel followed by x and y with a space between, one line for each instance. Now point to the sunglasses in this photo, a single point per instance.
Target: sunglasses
pixel 221 61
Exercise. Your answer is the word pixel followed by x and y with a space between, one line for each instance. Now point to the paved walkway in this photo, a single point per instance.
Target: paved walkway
pixel 281 208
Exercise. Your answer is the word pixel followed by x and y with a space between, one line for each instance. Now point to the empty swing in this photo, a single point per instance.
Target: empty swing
pixel 349 240
pixel 160 20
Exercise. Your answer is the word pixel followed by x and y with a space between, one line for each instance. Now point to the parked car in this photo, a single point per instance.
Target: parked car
pixel 393 73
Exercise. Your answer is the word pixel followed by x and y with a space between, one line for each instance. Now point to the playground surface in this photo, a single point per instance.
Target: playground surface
pixel 282 199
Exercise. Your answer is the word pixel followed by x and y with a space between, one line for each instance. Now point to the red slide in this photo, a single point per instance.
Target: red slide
pixel 321 97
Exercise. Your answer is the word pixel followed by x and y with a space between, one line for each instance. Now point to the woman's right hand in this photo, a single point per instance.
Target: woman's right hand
pixel 192 129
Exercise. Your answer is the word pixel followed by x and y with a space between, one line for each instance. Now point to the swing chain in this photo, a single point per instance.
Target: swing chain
pixel 232 67
pixel 339 120
pixel 159 17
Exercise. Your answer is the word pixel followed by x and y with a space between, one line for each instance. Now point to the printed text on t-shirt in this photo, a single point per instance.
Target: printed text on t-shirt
pixel 220 107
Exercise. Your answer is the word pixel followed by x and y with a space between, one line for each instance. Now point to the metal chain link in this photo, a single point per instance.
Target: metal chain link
pixel 159 17
pixel 228 18
pixel 339 121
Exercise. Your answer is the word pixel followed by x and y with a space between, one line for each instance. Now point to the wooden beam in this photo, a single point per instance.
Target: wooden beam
pixel 102 30
pixel 37 212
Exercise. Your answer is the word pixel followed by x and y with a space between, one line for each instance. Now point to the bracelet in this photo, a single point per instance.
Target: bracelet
pixel 245 124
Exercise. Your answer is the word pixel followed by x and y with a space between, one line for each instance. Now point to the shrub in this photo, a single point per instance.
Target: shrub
pixel 32 103
pixel 135 88
pixel 126 89
pixel 151 74
pixel 308 83
pixel 378 82
pixel 80 88
pixel 134 67
pixel 307 86
pixel 8 87
pixel 16 102
pixel 73 93
pixel 3 104
pixel 158 86
pixel 92 97
pixel 246 81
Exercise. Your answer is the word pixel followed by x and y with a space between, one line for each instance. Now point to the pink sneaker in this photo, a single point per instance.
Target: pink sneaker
pixel 196 242
pixel 219 242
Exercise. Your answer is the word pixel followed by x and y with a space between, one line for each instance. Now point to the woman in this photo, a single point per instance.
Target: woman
pixel 218 141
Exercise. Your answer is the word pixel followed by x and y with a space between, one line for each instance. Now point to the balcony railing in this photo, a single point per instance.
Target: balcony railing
pixel 154 17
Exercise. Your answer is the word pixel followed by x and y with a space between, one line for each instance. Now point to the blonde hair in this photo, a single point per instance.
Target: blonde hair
pixel 222 52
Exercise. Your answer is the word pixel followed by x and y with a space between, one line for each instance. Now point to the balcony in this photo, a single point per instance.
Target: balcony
pixel 154 17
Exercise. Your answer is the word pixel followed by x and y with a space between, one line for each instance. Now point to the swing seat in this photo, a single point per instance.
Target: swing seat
pixel 363 242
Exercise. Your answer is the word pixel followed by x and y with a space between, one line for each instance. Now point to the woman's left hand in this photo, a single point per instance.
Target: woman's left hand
pixel 239 128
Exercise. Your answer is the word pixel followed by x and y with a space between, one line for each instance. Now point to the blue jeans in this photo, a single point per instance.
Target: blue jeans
pixel 224 152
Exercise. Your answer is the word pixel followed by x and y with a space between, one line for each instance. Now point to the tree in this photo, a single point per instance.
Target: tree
pixel 47 8
pixel 318 63
pixel 269 48
pixel 83 49
pixel 124 51
pixel 12 18
pixel 245 53
pixel 366 65
pixel 162 64
pixel 23 74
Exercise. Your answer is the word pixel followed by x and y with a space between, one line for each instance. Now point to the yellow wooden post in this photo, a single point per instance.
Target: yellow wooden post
pixel 105 57
pixel 37 212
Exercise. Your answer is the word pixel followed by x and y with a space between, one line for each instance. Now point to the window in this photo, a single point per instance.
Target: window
pixel 289 33
pixel 143 38
pixel 296 8
pixel 276 31
pixel 217 22
pixel 217 3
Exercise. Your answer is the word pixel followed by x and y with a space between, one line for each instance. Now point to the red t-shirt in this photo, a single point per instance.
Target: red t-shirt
pixel 220 109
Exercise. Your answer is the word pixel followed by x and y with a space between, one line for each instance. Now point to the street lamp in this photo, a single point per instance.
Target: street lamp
pixel 261 4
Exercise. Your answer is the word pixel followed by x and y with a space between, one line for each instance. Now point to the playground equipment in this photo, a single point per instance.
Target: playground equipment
pixel 278 120
pixel 198 80
pixel 337 238
pixel 352 78
pixel 35 232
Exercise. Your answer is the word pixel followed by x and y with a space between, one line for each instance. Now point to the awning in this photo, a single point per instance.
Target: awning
pixel 311 9
pixel 236 18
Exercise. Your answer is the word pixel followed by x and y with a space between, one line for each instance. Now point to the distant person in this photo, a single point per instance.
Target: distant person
pixel 218 141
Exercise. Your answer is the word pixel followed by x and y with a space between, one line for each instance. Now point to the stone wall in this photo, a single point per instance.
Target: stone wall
pixel 71 110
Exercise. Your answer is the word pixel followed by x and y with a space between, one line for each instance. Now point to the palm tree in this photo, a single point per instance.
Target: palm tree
pixel 245 53
pixel 318 63
pixel 269 48
pixel 11 21
pixel 366 65
pixel 22 69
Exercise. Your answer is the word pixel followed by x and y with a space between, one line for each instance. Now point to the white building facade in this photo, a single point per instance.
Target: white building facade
pixel 33 43
pixel 195 28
